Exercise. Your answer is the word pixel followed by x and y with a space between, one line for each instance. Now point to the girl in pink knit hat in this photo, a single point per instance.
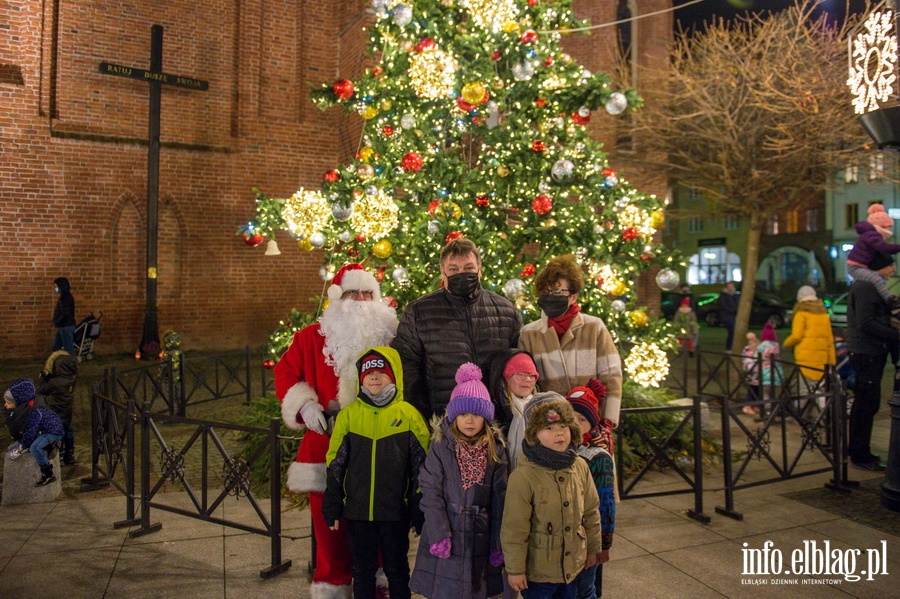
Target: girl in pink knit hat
pixel 872 239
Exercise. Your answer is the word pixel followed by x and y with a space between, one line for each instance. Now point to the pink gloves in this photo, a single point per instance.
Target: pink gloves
pixel 441 549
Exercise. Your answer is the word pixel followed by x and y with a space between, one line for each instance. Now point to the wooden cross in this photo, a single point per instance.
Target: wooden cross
pixel 149 346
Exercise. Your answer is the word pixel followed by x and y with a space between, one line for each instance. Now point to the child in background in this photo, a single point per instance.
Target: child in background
pixel 513 379
pixel 463 487
pixel 873 234
pixel 685 322
pixel 32 425
pixel 57 382
pixel 551 518
pixel 772 374
pixel 750 365
pixel 374 456
pixel 592 450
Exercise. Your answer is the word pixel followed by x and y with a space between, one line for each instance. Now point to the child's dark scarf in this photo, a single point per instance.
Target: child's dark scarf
pixel 549 458
pixel 561 324
pixel 17 419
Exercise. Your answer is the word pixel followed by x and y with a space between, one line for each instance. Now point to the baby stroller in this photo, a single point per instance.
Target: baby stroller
pixel 85 333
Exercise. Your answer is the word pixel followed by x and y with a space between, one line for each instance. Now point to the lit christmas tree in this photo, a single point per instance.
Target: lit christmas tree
pixel 475 126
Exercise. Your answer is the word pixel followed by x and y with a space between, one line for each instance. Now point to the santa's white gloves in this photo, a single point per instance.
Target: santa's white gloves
pixel 313 416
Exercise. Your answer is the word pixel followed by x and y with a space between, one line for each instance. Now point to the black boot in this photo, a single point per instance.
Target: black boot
pixel 68 458
pixel 47 476
pixel 68 447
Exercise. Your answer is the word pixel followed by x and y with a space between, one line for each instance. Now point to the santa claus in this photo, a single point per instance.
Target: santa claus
pixel 314 379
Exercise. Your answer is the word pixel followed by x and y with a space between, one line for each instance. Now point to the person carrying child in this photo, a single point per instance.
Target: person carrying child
pixel 376 451
pixel 463 487
pixel 551 517
pixel 593 449
pixel 686 327
pixel 872 239
pixel 32 425
pixel 57 381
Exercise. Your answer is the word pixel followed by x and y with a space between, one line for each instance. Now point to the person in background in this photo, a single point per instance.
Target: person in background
pixel 571 348
pixel 458 323
pixel 771 374
pixel 513 380
pixel 751 368
pixel 812 339
pixel 686 327
pixel 64 317
pixel 463 487
pixel 871 339
pixel 728 307
pixel 57 381
pixel 872 236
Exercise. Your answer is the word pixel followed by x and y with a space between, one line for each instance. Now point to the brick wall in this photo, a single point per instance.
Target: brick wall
pixel 73 160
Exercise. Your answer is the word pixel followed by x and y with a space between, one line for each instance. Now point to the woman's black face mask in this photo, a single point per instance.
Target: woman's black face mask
pixel 553 306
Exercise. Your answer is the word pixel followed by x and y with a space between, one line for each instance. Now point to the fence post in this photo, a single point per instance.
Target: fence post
pixel 247 372
pixel 697 512
pixel 128 467
pixel 278 566
pixel 92 482
pixel 728 510
pixel 146 527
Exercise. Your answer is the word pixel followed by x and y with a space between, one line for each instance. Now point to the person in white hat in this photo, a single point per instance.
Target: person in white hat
pixel 314 379
pixel 812 338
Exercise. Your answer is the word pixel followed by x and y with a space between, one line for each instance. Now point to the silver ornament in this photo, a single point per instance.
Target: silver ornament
pixel 345 236
pixel 617 306
pixel 562 171
pixel 408 121
pixel 402 14
pixel 317 240
pixel 400 274
pixel 326 274
pixel 611 181
pixel 543 187
pixel 667 279
pixel 513 288
pixel 523 71
pixel 434 226
pixel 584 112
pixel 341 213
pixel 617 103
pixel 371 190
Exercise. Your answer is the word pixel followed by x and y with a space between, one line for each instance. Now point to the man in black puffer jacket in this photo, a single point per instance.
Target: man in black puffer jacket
pixel 461 322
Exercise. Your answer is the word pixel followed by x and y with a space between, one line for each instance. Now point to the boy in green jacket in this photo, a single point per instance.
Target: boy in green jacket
pixel 374 456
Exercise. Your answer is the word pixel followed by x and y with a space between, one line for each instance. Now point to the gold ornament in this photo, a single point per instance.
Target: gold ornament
pixel 499 83
pixel 502 171
pixel 369 112
pixel 448 210
pixel 619 288
pixel 657 218
pixel 473 93
pixel 365 153
pixel 305 213
pixel 365 171
pixel 383 248
pixel 638 318
pixel 374 216
pixel 305 245
pixel 510 26
pixel 549 223
pixel 432 73
pixel 386 105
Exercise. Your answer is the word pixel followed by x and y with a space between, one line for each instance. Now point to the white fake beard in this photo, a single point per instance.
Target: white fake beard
pixel 352 326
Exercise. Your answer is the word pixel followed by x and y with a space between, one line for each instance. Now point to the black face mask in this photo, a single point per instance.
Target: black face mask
pixel 463 284
pixel 553 306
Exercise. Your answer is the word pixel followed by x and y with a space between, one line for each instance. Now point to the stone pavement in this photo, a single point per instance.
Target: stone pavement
pixel 70 548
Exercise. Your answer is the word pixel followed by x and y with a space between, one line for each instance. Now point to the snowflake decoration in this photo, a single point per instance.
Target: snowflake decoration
pixel 873 59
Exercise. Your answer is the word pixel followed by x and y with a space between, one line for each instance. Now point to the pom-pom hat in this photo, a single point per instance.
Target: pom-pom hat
pixel 21 391
pixel 768 333
pixel 470 396
pixel 585 403
pixel 546 409
pixel 880 218
pixel 353 277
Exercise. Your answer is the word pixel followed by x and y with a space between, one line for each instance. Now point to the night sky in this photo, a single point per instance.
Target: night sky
pixel 696 14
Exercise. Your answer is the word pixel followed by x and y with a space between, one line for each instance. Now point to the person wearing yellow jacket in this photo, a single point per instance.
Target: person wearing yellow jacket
pixel 811 337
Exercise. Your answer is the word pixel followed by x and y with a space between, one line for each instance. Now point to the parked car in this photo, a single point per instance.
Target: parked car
pixel 765 309
pixel 837 310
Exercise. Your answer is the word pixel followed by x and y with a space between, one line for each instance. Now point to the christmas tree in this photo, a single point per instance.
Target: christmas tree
pixel 475 126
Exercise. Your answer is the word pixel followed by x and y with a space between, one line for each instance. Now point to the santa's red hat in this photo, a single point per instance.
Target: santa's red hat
pixel 353 277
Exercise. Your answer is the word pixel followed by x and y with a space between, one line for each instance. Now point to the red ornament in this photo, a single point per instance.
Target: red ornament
pixel 390 301
pixel 542 204
pixel 647 256
pixel 580 120
pixel 452 235
pixel 352 252
pixel 433 206
pixel 252 238
pixel 377 71
pixel 483 201
pixel 532 2
pixel 600 281
pixel 548 62
pixel 630 234
pixel 379 274
pixel 528 270
pixel 608 172
pixel 464 106
pixel 360 238
pixel 496 55
pixel 412 161
pixel 529 37
pixel 478 120
pixel 269 364
pixel 343 89
pixel 426 43
pixel 332 176
pixel 538 145
pixel 387 130
pixel 540 102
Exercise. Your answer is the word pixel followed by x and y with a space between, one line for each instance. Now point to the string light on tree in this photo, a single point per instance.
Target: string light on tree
pixel 647 364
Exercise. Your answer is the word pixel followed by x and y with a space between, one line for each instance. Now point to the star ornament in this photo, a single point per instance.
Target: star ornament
pixel 873 62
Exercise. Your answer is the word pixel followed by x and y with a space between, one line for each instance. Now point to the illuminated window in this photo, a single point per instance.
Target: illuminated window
pixel 876 166
pixel 772 225
pixel 713 266
pixel 851 173
pixel 792 222
pixel 812 220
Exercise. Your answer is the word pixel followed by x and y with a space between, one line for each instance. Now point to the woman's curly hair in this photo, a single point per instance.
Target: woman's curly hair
pixel 560 267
